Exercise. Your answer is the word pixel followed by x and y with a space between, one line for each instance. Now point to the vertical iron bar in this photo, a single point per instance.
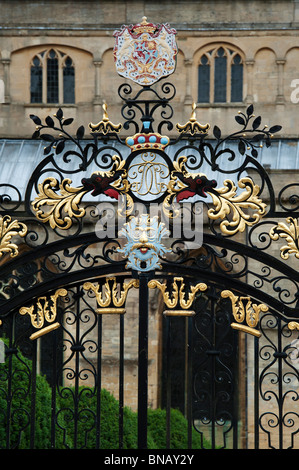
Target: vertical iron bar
pixel 189 379
pixel 280 391
pixel 245 413
pixel 9 382
pixel 213 377
pixel 168 379
pixel 33 395
pixel 143 360
pixel 121 379
pixel 53 389
pixel 77 371
pixel 99 383
pixel 256 393
pixel 235 392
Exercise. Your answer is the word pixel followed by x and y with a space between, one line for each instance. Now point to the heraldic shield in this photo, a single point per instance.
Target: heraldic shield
pixel 145 52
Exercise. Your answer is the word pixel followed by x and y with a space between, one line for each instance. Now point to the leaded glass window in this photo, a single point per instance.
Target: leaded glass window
pixel 220 76
pixel 68 81
pixel 236 78
pixel 52 78
pixel 204 80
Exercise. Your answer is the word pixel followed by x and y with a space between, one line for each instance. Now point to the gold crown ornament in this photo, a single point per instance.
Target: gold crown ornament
pixel 144 27
pixel 151 141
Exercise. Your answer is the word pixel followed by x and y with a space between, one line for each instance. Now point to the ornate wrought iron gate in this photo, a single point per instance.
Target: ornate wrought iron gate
pixel 227 305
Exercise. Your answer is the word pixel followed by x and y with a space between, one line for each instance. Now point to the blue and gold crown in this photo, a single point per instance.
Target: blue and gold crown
pixel 151 141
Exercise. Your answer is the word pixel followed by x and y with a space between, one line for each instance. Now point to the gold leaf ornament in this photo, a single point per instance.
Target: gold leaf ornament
pixel 229 206
pixel 8 229
pixel 177 296
pixel 110 298
pixel 105 125
pixel 44 310
pixel 228 203
pixel 244 310
pixel 61 207
pixel 193 126
pixel 290 233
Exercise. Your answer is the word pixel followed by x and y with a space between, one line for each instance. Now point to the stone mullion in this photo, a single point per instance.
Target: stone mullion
pixel 212 80
pixel 188 96
pixel 60 80
pixel 228 76
pixel 249 74
pixel 44 80
pixel 98 97
pixel 98 100
pixel 6 69
pixel 280 96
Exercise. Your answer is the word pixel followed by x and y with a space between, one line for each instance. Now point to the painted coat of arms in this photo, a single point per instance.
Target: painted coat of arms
pixel 145 52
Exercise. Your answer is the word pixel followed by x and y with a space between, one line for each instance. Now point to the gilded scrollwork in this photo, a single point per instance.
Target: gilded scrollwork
pixel 228 203
pixel 244 310
pixel 290 233
pixel 8 229
pixel 62 201
pixel 63 207
pixel 176 298
pixel 229 206
pixel 293 325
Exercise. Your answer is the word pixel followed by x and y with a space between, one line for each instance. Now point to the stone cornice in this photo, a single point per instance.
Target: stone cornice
pixel 183 29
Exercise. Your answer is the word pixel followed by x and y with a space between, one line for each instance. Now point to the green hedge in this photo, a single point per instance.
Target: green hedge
pixel 20 406
pixel 79 408
pixel 84 402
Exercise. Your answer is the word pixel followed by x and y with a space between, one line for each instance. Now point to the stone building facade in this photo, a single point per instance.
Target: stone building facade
pixel 259 45
pixel 265 36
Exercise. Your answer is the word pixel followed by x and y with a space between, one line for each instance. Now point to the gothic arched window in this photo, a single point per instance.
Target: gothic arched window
pixel 220 76
pixel 52 78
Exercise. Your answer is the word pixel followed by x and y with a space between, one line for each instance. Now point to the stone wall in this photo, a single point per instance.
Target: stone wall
pixel 265 35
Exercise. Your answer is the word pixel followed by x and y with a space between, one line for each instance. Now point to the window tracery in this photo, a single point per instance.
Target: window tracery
pixel 220 76
pixel 52 78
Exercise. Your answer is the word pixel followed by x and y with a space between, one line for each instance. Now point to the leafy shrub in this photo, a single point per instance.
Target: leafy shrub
pixel 178 430
pixel 20 405
pixel 76 416
pixel 109 428
pixel 85 403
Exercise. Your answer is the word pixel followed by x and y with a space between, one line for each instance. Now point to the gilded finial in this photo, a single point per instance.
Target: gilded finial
pixel 105 115
pixel 193 126
pixel 193 114
pixel 105 125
